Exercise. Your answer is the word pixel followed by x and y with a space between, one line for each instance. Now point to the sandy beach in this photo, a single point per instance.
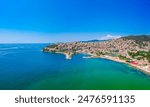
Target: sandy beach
pixel 143 69
pixel 135 66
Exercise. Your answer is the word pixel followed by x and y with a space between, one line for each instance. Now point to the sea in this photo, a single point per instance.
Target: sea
pixel 27 67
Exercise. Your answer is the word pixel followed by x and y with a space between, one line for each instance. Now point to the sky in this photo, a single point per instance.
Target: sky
pixel 42 21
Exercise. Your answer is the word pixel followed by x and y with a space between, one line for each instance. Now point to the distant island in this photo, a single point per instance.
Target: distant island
pixel 133 50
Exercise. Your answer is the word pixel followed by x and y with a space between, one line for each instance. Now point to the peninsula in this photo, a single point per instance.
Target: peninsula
pixel 133 50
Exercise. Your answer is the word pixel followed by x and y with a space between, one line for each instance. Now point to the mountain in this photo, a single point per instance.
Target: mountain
pixel 95 40
pixel 138 38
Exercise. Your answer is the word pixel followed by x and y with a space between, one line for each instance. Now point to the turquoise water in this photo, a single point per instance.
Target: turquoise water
pixel 25 66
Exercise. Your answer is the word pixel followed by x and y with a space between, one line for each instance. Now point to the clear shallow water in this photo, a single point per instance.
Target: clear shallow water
pixel 25 66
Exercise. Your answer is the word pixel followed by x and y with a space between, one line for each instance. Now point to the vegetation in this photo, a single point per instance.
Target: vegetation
pixel 98 53
pixel 74 51
pixel 132 44
pixel 52 46
pixel 123 58
pixel 140 55
pixel 139 39
pixel 148 56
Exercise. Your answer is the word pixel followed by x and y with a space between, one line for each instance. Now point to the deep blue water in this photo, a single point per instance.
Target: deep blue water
pixel 25 66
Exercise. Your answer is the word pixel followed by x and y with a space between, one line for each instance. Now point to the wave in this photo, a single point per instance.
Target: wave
pixel 10 48
pixel 3 54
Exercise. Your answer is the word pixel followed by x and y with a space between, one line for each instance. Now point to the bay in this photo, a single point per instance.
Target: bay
pixel 26 67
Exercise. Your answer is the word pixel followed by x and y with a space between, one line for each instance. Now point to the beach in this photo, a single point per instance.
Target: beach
pixel 116 59
pixel 141 68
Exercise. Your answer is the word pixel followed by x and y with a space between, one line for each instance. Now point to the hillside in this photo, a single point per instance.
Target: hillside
pixel 134 50
pixel 138 38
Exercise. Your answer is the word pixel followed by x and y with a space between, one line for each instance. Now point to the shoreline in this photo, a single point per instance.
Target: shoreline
pixel 146 71
pixel 116 59
pixel 68 55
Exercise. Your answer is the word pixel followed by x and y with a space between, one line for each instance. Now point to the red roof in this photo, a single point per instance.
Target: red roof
pixel 135 63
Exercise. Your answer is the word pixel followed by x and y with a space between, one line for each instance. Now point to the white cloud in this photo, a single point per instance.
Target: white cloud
pixel 107 37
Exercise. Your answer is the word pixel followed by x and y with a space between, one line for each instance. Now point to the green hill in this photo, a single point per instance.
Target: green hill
pixel 139 39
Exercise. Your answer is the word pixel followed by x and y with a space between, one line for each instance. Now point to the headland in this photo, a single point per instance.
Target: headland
pixel 133 50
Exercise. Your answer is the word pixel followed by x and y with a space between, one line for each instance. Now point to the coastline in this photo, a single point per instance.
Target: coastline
pixel 144 70
pixel 116 59
pixel 130 50
pixel 68 55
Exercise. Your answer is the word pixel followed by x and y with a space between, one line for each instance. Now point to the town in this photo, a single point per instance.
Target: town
pixel 133 50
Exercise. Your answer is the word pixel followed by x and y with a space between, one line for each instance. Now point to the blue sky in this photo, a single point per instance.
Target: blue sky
pixel 25 21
